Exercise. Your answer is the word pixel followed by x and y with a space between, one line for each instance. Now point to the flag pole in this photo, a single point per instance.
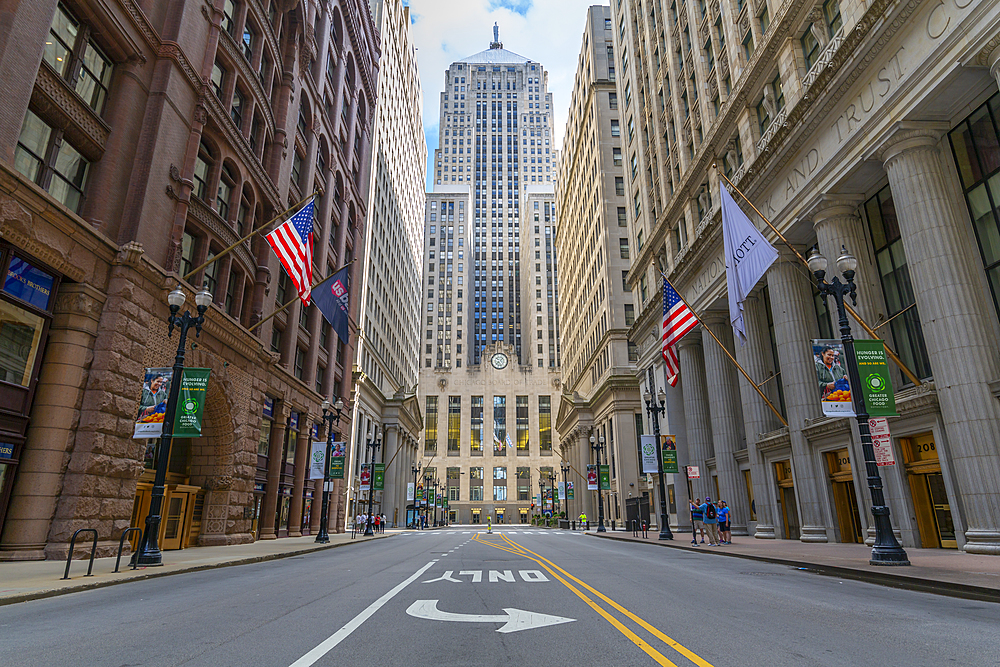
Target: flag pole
pixel 731 357
pixel 871 332
pixel 286 305
pixel 248 236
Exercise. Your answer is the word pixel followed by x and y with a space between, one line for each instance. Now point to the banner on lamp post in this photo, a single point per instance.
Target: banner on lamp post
pixel 409 491
pixel 605 477
pixel 591 477
pixel 317 460
pixel 569 491
pixel 337 460
pixel 876 385
pixel 647 453
pixel 153 403
pixel 191 402
pixel 378 477
pixel 365 480
pixel 562 491
pixel 668 450
pixel 833 381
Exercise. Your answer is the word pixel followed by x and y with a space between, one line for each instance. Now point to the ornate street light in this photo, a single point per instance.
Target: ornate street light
pixel 149 550
pixel 597 444
pixel 654 411
pixel 415 469
pixel 373 443
pixel 886 551
pixel 329 418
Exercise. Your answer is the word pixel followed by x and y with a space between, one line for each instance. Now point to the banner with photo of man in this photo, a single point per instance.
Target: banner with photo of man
pixel 832 380
pixel 591 477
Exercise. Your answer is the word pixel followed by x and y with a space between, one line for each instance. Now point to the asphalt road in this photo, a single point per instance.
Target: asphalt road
pixel 445 598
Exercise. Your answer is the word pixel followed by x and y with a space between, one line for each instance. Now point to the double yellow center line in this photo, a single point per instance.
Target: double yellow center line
pixel 515 548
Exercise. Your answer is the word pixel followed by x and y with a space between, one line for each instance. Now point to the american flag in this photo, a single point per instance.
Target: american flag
pixel 293 244
pixel 677 321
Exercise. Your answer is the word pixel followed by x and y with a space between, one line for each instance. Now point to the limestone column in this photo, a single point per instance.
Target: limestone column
pixel 275 451
pixel 794 327
pixel 303 444
pixel 58 393
pixel 959 326
pixel 755 357
pixel 727 416
pixel 699 427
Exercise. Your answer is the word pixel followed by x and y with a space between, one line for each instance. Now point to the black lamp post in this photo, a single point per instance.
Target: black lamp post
pixel 654 411
pixel 149 551
pixel 427 499
pixel 541 495
pixel 437 483
pixel 597 444
pixel 373 444
pixel 552 490
pixel 565 471
pixel 887 551
pixel 329 418
pixel 415 469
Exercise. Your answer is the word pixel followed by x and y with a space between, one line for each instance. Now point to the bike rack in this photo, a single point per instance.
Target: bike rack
pixel 121 547
pixel 93 550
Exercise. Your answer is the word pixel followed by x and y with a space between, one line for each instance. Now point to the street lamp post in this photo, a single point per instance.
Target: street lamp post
pixel 427 498
pixel 597 444
pixel 654 412
pixel 565 471
pixel 437 483
pixel 552 490
pixel 541 496
pixel 886 551
pixel 329 418
pixel 415 469
pixel 149 551
pixel 373 444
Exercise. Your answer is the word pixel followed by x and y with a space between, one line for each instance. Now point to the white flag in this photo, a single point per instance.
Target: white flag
pixel 748 256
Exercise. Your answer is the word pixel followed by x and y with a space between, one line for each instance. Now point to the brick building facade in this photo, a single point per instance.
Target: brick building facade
pixel 138 140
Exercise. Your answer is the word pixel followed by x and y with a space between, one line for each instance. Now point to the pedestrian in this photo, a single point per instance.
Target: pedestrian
pixel 376 523
pixel 697 522
pixel 384 521
pixel 725 523
pixel 711 521
pixel 583 520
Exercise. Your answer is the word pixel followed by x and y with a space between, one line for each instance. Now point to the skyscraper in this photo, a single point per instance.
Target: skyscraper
pixel 491 301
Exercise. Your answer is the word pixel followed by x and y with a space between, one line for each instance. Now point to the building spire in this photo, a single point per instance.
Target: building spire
pixel 496 43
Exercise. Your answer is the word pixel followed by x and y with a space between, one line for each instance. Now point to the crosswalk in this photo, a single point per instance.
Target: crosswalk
pixel 420 533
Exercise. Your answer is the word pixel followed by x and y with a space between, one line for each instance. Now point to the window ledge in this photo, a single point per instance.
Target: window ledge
pixel 61 106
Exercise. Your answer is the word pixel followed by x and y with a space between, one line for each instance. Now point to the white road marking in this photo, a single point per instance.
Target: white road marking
pixel 444 577
pixel 330 642
pixel 477 575
pixel 513 620
pixel 496 575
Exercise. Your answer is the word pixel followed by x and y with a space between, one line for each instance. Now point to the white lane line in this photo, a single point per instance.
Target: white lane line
pixel 330 642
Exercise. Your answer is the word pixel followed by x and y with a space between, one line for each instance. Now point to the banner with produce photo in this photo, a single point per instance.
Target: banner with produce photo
pixel 832 381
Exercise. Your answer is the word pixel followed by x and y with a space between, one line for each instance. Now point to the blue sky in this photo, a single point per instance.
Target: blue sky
pixel 547 31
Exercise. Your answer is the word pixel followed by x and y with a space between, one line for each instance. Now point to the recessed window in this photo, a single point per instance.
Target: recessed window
pixel 45 156
pixel 76 58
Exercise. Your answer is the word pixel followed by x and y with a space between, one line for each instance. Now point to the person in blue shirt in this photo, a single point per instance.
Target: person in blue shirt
pixel 725 526
pixel 711 519
pixel 696 521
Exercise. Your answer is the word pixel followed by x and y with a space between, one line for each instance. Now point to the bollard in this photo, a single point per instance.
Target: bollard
pixel 121 547
pixel 93 550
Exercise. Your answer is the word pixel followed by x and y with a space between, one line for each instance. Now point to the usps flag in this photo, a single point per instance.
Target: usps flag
pixel 748 256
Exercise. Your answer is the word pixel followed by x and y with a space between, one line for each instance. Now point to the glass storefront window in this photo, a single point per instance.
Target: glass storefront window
pixel 20 336
pixel 894 275
pixel 265 437
pixel 976 147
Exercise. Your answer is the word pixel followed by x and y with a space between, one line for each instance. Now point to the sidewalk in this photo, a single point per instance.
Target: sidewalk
pixel 940 571
pixel 31 580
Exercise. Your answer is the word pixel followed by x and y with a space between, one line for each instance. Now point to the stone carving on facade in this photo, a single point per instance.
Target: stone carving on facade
pixel 129 254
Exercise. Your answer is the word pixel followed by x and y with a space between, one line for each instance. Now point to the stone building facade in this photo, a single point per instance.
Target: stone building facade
pixel 866 125
pixel 600 396
pixel 385 374
pixel 140 139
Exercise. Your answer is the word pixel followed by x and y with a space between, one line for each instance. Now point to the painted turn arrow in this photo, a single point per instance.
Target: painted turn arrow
pixel 513 620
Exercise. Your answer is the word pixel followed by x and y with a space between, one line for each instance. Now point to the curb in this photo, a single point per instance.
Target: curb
pixel 54 592
pixel 879 576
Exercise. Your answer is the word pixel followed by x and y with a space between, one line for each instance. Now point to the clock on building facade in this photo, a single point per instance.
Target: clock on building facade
pixel 499 361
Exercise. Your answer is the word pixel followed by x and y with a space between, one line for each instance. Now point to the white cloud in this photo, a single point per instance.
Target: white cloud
pixel 547 31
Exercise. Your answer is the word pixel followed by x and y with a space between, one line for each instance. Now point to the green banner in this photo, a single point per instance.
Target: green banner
pixel 378 477
pixel 876 385
pixel 668 450
pixel 420 494
pixel 191 402
pixel 604 477
pixel 569 491
pixel 337 467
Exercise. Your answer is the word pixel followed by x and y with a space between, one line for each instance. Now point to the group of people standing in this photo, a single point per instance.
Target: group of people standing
pixel 711 518
pixel 378 522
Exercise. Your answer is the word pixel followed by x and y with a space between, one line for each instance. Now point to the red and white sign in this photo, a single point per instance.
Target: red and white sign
pixel 693 472
pixel 881 441
pixel 366 477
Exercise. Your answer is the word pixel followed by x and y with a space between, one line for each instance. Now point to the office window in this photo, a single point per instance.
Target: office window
pixel 499 472
pixel 810 48
pixel 831 12
pixel 475 493
pixel 616 154
pixel 545 423
pixel 623 248
pixel 615 128
pixel 521 406
pixel 633 352
pixel 629 314
pixel 499 492
pixel 476 472
pixel 619 186
pixel 613 100
pixel 894 274
pixel 499 425
pixel 625 285
pixel 454 424
pixel 44 155
pixel 622 221
pixel 75 57
pixel 477 425
pixel 430 425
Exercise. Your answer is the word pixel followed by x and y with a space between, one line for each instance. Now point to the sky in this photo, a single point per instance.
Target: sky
pixel 547 31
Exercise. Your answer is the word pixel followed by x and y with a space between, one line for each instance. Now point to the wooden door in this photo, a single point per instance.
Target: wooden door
pixel 175 516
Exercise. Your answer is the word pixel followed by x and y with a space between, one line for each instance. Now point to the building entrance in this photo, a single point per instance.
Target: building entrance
pixel 476 516
pixel 930 499
pixel 786 499
pixel 500 516
pixel 845 499
pixel 524 515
